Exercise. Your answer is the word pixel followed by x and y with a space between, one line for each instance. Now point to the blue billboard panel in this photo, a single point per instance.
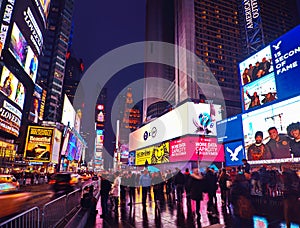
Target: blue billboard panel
pixel 285 56
pixel 234 153
pixel 230 129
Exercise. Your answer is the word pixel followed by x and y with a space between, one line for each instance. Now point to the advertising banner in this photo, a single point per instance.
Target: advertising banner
pixel 56 145
pixel 190 148
pixel 10 116
pixel 225 128
pixel 286 56
pixel 258 122
pixel 39 144
pixel 11 87
pixel 35 114
pixel 68 114
pixel 188 118
pixel 234 153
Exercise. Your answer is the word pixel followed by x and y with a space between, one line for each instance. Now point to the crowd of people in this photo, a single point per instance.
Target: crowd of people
pixel 236 186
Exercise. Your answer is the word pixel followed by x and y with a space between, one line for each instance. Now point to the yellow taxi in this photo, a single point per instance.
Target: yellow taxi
pixel 8 183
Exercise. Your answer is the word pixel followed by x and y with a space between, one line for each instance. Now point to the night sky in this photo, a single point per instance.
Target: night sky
pixel 101 26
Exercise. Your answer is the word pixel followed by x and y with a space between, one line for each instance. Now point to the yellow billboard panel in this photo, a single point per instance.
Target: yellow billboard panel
pixel 157 154
pixel 38 144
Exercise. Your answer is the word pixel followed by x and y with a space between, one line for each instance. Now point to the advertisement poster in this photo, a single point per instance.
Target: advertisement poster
pixel 234 153
pixel 280 116
pixel 11 87
pixel 71 148
pixel 192 148
pixel 31 64
pixel 10 116
pixel 36 105
pixel 39 144
pixel 225 132
pixel 56 145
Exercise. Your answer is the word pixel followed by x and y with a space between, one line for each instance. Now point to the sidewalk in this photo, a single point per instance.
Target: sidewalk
pixel 166 214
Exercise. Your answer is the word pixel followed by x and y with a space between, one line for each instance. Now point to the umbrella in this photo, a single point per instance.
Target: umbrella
pixel 153 169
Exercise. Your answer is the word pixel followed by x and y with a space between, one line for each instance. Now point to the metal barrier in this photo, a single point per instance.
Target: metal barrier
pixel 54 211
pixel 27 219
pixel 73 200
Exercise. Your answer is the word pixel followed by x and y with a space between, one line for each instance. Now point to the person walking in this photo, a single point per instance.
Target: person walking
pixel 224 178
pixel 187 177
pixel 179 184
pixel 145 183
pixel 115 191
pixel 104 193
pixel 197 182
pixel 131 187
pixel 212 186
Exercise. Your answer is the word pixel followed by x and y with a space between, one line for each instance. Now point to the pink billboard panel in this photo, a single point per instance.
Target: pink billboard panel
pixel 188 148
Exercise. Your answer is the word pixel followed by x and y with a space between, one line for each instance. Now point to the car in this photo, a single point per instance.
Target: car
pixel 86 176
pixel 8 183
pixel 62 182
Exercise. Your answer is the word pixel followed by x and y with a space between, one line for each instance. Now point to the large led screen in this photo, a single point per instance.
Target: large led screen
pixel 71 148
pixel 286 55
pixel 256 66
pixel 36 113
pixel 259 92
pixel 68 114
pixel 192 148
pixel 188 118
pixel 11 87
pixel 39 144
pixel 279 115
pixel 56 145
pixel 230 129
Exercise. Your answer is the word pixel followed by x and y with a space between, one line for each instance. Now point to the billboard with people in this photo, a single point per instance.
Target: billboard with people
pixel 271 132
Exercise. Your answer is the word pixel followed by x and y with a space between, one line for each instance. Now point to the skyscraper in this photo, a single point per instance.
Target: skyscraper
pixel 212 31
pixel 53 62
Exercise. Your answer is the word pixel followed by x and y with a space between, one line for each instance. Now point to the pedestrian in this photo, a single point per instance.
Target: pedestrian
pixel 197 182
pixel 131 187
pixel 115 191
pixel 212 186
pixel 145 183
pixel 104 193
pixel 179 184
pixel 187 186
pixel 157 183
pixel 224 179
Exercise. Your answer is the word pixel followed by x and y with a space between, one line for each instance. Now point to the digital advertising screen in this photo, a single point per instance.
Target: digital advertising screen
pixel 154 154
pixel 79 146
pixel 225 132
pixel 31 64
pixel 260 92
pixel 18 45
pixel 190 148
pixel 131 158
pixel 11 87
pixel 256 66
pixel 71 148
pixel 65 142
pixel 56 145
pixel 124 152
pixel 35 114
pixel 10 116
pixel 286 56
pixel 39 144
pixel 234 153
pixel 279 115
pixel 68 114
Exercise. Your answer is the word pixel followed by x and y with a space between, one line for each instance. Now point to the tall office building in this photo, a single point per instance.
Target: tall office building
pixel 53 62
pixel 212 31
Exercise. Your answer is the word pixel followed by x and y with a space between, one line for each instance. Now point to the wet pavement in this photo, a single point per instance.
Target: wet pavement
pixel 170 213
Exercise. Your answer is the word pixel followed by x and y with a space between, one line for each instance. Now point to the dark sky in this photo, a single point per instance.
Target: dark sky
pixel 101 26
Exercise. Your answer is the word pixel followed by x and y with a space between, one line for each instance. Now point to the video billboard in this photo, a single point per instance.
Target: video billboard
pixel 230 129
pixel 68 114
pixel 57 136
pixel 285 56
pixel 192 148
pixel 188 118
pixel 71 147
pixel 36 113
pixel 279 115
pixel 39 144
pixel 11 87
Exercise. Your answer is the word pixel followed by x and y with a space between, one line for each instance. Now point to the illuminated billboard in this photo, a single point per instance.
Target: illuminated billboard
pixel 192 148
pixel 279 115
pixel 225 132
pixel 285 56
pixel 154 155
pixel 188 118
pixel 39 144
pixel 68 114
pixel 234 153
pixel 36 113
pixel 11 87
pixel 57 136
